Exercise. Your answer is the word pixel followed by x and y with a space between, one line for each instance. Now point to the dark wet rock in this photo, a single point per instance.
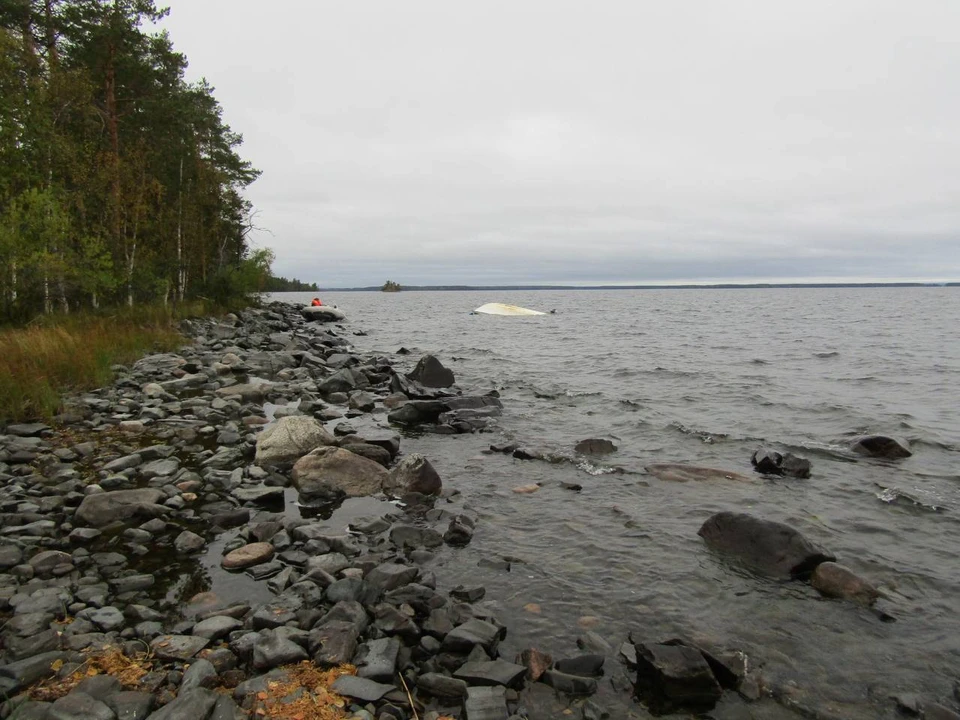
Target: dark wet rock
pixel 372 452
pixel 770 462
pixel 880 446
pixel 23 673
pixel 259 494
pixel 44 562
pixel 442 686
pixel 131 583
pixel 335 642
pixel 463 638
pixel 390 576
pixel 201 673
pixel 27 429
pixel 430 372
pixel 177 647
pixel 569 684
pixel 584 665
pixel 195 704
pixel 79 705
pixel 347 611
pixel 188 542
pixel 413 474
pixel 468 594
pixel 105 619
pixel 331 472
pixel 729 667
pixel 99 686
pixel 491 672
pixel 671 677
pixel 393 622
pixel 486 703
pixel 909 703
pixel 595 446
pixel 763 545
pixel 217 627
pixel 459 532
pixel 360 688
pixel 101 509
pixel 378 661
pixel 290 439
pixel 10 556
pixel 836 581
pixel 226 709
pixel 416 412
pixel 674 472
pixel 247 556
pixel 273 649
pixel 130 704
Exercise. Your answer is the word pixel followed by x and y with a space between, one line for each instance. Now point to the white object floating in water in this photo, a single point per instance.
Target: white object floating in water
pixel 501 309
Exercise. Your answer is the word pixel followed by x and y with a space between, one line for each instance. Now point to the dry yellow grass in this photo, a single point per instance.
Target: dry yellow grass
pixel 39 363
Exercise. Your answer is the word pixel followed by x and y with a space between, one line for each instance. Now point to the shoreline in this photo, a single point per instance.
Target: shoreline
pixel 118 523
pixel 200 454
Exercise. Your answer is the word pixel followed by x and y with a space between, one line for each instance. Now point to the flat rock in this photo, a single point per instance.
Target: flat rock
pixel 290 439
pixel 102 509
pixel 881 446
pixel 195 704
pixel 671 677
pixel 189 542
pixel 674 472
pixel 130 704
pixel 486 703
pixel 491 672
pixel 80 705
pixel 595 446
pixel 216 627
pixel 442 686
pixel 360 688
pixel 177 647
pixel 247 556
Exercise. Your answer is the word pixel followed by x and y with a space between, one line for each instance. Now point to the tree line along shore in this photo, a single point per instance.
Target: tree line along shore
pixel 120 182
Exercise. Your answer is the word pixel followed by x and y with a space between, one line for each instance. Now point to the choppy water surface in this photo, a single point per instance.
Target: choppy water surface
pixel 705 377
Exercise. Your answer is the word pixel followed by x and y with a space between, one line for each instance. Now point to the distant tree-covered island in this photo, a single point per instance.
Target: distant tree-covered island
pixel 276 283
pixel 391 286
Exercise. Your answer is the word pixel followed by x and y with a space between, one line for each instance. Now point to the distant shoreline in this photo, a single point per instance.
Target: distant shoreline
pixel 718 286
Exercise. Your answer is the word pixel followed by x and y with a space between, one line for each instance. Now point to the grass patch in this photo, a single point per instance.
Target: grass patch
pixel 60 354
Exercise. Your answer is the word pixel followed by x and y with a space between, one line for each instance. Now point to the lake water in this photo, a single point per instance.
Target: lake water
pixel 706 377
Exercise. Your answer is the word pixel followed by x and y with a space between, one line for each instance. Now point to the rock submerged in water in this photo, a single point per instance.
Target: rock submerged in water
pixel 595 446
pixel 675 677
pixel 836 581
pixel 675 472
pixel 102 509
pixel 881 446
pixel 771 462
pixel 770 547
pixel 413 474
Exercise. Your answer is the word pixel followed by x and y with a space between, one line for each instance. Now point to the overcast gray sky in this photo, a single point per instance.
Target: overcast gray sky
pixel 441 142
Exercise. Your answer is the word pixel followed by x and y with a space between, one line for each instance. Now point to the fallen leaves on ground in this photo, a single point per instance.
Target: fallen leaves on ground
pixel 304 695
pixel 109 661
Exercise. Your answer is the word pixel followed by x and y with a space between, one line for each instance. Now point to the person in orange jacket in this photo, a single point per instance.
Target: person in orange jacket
pixel 316 302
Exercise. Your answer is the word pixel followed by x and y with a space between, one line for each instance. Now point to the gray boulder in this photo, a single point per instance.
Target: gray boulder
pixel 430 372
pixel 413 473
pixel 769 547
pixel 331 472
pixel 104 508
pixel 290 439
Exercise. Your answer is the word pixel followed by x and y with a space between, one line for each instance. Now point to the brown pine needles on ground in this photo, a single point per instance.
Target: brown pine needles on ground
pixel 110 661
pixel 305 695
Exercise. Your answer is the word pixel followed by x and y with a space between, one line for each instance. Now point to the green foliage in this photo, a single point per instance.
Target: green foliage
pixel 391 286
pixel 281 284
pixel 119 181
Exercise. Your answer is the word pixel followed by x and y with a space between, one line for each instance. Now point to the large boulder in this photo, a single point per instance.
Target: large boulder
pixel 102 509
pixel 413 474
pixel 430 372
pixel 675 677
pixel 674 472
pixel 769 547
pixel 290 439
pixel 330 472
pixel 771 462
pixel 880 446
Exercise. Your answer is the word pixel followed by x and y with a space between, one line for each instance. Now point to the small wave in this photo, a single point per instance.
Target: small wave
pixel 704 435
pixel 759 361
pixel 894 495
pixel 596 470
pixel 830 354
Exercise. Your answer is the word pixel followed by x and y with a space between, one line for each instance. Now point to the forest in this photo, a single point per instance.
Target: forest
pixel 120 182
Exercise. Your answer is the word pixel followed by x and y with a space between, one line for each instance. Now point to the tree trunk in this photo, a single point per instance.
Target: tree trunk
pixel 180 270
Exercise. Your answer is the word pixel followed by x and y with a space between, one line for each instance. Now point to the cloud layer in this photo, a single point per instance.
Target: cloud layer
pixel 504 142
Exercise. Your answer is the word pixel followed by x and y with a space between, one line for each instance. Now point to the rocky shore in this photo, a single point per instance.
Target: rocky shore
pixel 235 530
